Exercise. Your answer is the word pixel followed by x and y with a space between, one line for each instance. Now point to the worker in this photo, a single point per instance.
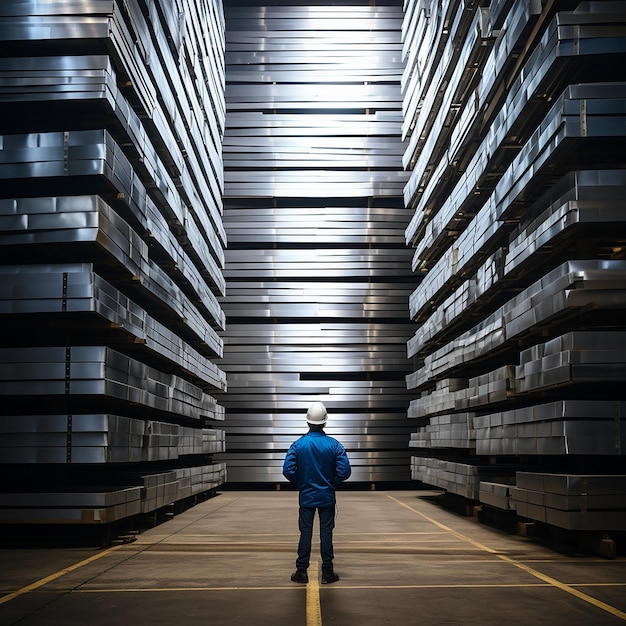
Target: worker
pixel 316 463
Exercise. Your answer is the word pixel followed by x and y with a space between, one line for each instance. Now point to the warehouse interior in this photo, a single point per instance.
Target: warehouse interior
pixel 213 214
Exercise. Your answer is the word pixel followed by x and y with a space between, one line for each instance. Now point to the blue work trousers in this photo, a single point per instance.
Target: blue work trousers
pixel 305 524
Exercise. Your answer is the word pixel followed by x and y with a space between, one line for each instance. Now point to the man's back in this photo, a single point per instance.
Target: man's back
pixel 316 463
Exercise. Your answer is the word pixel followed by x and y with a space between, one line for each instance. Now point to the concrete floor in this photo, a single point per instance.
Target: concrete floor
pixel 402 560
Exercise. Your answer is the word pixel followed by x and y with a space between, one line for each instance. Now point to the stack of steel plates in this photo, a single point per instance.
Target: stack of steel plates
pixel 576 357
pixel 318 274
pixel 112 256
pixel 446 431
pixel 462 479
pixel 96 439
pixel 71 507
pixel 496 495
pixel 590 427
pixel 579 502
pixel 514 121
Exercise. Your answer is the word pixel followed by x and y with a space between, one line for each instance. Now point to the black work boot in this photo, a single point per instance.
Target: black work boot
pixel 328 576
pixel 300 576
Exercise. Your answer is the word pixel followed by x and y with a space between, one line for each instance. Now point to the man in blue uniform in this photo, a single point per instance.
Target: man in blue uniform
pixel 316 463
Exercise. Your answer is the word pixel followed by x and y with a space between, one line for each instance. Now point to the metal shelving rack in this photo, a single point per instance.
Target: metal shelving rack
pixel 112 257
pixel 514 121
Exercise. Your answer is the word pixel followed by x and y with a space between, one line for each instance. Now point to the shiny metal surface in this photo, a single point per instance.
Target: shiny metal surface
pixel 100 439
pixel 573 286
pixel 112 255
pixel 582 502
pixel 514 121
pixel 92 153
pixel 505 318
pixel 567 427
pixel 76 288
pixel 88 373
pixel 317 271
pixel 155 491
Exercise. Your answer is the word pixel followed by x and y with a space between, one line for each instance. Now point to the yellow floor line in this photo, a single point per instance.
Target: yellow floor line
pixel 567 588
pixel 313 606
pixel 533 572
pixel 47 579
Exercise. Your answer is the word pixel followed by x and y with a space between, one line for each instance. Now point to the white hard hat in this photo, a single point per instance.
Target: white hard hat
pixel 316 414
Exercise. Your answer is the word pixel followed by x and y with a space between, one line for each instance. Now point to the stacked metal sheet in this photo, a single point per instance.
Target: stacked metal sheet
pixel 446 431
pixel 572 501
pixel 496 495
pixel 576 357
pixel 67 507
pixel 107 505
pixel 112 256
pixel 462 479
pixel 589 427
pixel 569 288
pixel 514 120
pixel 318 275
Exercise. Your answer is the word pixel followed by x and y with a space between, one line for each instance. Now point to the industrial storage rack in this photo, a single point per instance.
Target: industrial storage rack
pixel 111 234
pixel 514 116
pixel 486 136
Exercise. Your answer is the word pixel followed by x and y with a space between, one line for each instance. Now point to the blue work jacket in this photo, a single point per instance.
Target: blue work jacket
pixel 316 463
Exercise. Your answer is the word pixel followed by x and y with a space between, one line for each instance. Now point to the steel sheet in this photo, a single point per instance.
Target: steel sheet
pixel 111 231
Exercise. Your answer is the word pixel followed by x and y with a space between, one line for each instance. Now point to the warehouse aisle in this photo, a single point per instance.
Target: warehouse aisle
pixel 402 560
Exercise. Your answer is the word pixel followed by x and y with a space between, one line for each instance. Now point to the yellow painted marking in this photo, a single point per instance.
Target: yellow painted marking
pixel 533 572
pixel 567 588
pixel 47 579
pixel 313 606
pixel 476 544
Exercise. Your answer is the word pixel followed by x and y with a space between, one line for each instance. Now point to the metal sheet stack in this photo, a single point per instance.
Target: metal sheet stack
pixel 318 274
pixel 577 502
pixel 111 233
pixel 463 479
pixel 514 121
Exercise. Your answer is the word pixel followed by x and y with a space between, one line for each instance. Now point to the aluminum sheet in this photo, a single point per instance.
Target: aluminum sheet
pixel 113 255
pixel 557 133
pixel 464 113
pixel 318 275
pixel 571 286
pixel 588 202
pixel 548 64
pixel 322 105
pixel 339 225
pixel 446 431
pixel 516 181
pixel 89 153
pixel 100 439
pixel 496 495
pixel 80 219
pixel 579 357
pixel 78 290
pixel 567 428
pixel 572 501
pixel 459 478
pixel 201 120
pixel 101 372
